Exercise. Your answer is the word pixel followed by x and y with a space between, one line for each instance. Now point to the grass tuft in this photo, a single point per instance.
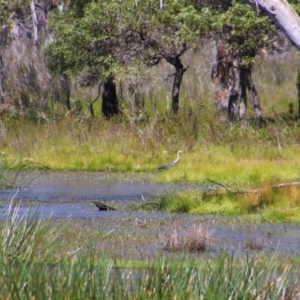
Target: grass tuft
pixel 193 239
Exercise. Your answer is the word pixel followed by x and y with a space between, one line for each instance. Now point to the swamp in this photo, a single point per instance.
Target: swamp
pixel 96 100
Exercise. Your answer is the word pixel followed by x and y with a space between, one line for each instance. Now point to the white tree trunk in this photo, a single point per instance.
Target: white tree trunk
pixel 283 15
pixel 34 23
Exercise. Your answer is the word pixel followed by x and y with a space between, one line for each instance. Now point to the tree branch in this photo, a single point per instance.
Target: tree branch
pixel 283 15
pixel 213 192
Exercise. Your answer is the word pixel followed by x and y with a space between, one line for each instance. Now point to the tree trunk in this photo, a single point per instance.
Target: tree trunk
pixel 110 104
pixel 235 91
pixel 220 77
pixel 231 80
pixel 1 76
pixel 283 15
pixel 298 90
pixel 254 95
pixel 176 88
pixel 35 33
pixel 65 87
pixel 178 75
pixel 243 93
pixel 226 77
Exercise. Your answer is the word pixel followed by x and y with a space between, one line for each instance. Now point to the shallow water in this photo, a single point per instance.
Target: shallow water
pixel 62 195
pixel 77 186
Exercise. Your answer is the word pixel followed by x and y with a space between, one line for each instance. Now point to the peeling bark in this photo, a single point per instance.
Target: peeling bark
pixel 232 79
pixel 34 24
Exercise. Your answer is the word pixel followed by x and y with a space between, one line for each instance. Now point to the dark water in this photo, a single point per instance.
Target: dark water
pixel 284 238
pixel 87 186
pixel 62 195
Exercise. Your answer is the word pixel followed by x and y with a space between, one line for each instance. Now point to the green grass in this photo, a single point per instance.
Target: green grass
pixel 266 205
pixel 242 160
pixel 240 156
pixel 34 263
pixel 88 278
pixel 243 155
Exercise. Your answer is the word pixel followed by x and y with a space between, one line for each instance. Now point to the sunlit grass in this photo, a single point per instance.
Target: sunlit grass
pixel 244 154
pixel 264 203
pixel 218 163
pixel 241 163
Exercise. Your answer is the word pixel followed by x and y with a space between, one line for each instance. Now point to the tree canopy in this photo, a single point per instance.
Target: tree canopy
pixel 96 40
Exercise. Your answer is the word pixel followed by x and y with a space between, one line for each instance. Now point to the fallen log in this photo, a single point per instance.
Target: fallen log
pixel 235 191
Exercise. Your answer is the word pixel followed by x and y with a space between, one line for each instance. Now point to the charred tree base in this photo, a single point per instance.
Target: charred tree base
pixel 110 104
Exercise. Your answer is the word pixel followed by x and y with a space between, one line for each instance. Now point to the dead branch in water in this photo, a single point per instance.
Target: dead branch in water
pixel 235 191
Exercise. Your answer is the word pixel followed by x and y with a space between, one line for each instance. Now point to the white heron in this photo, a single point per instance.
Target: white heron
pixel 171 163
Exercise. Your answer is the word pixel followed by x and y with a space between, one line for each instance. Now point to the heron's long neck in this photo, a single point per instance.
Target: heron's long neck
pixel 178 157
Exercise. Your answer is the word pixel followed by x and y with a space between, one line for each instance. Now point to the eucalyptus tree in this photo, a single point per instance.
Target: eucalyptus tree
pixel 170 29
pixel 241 34
pixel 89 41
pixel 4 35
pixel 24 79
pixel 283 14
pixel 99 39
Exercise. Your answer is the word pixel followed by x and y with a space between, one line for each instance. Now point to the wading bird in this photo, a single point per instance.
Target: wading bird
pixel 171 163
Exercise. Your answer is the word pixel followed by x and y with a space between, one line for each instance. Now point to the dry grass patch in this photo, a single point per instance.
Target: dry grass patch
pixel 193 239
pixel 254 243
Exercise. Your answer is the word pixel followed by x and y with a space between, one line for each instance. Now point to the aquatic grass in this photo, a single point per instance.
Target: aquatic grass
pixel 278 202
pixel 221 278
pixel 12 173
pixel 263 204
pixel 192 201
pixel 25 238
pixel 92 273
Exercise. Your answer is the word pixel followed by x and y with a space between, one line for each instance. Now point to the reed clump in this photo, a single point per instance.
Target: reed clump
pixel 197 238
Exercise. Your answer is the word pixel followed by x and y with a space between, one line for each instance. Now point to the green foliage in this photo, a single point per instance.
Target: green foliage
pixel 249 29
pixel 181 24
pixel 8 7
pixel 296 5
pixel 98 36
pixel 91 37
